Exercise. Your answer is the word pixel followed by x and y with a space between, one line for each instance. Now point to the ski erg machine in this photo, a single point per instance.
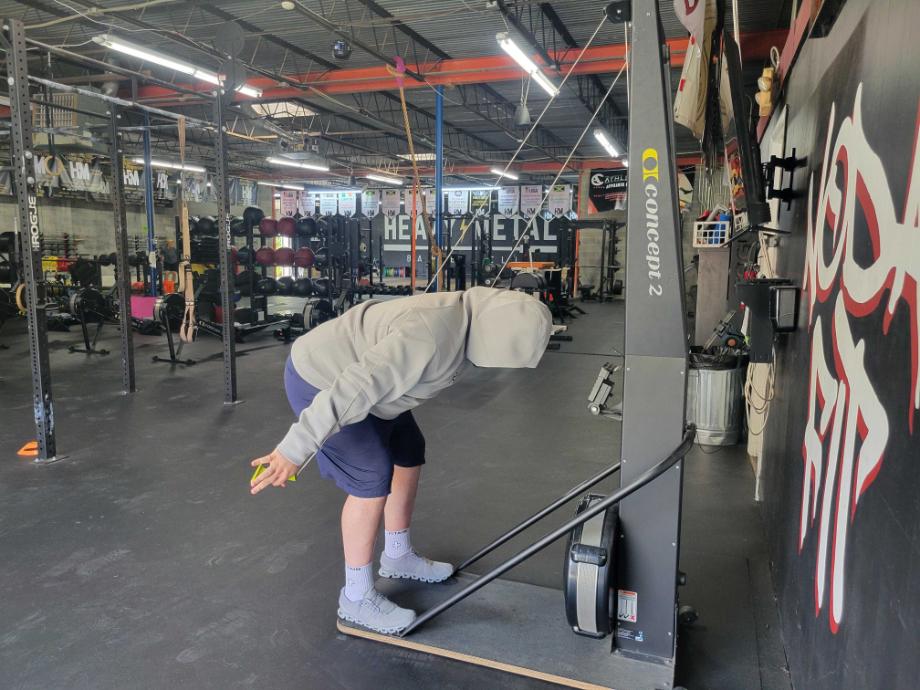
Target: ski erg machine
pixel 621 563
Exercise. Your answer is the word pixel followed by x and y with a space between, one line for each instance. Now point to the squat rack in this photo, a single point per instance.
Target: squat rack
pixel 29 233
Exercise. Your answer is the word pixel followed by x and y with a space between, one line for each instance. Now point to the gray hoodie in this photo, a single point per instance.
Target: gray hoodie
pixel 384 358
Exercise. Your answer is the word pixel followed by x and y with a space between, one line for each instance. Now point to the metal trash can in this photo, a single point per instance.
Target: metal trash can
pixel 714 398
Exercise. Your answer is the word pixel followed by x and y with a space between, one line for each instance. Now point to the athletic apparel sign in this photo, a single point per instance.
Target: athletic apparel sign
pixel 531 200
pixel 370 202
pixel 608 189
pixel 390 202
pixel 289 201
pixel 560 200
pixel 458 202
pixel 481 201
pixel 348 203
pixel 508 200
pixel 328 203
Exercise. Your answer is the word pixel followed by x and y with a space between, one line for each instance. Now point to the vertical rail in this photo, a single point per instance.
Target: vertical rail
pixel 222 188
pixel 122 270
pixel 148 203
pixel 29 235
pixel 438 180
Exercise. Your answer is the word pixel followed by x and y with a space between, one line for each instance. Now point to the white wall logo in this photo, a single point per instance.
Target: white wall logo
pixel 848 428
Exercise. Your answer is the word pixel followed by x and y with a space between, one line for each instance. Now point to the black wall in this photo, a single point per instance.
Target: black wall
pixel 844 426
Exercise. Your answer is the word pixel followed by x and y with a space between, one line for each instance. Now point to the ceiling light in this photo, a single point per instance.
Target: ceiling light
pixel 322 167
pixel 164 61
pixel 384 178
pixel 172 166
pixel 625 162
pixel 601 137
pixel 281 185
pixel 503 173
pixel 418 156
pixel 287 5
pixel 509 46
pixel 282 109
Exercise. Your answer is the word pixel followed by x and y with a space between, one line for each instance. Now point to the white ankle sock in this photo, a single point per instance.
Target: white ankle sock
pixel 358 582
pixel 397 543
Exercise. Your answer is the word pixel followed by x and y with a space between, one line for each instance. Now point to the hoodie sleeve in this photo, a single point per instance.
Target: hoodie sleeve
pixel 384 373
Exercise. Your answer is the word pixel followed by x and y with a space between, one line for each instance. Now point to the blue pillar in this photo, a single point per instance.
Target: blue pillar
pixel 148 199
pixel 438 166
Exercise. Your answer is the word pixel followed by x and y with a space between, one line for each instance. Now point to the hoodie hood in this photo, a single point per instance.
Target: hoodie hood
pixel 507 328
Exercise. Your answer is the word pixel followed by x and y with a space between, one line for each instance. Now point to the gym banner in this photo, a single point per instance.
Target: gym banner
pixel 370 202
pixel 348 203
pixel 328 203
pixel 508 198
pixel 306 203
pixel 531 200
pixel 458 201
pixel 560 200
pixel 289 202
pixel 390 202
pixel 608 189
pixel 481 201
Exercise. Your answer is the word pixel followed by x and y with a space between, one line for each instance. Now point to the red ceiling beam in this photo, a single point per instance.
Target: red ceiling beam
pixel 596 60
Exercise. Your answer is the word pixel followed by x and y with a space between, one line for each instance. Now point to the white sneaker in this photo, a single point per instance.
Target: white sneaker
pixel 376 612
pixel 414 567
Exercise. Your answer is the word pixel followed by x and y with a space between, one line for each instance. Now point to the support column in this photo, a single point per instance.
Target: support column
pixel 29 235
pixel 438 176
pixel 222 189
pixel 148 203
pixel 122 270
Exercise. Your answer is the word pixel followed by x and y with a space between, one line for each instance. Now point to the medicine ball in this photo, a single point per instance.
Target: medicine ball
pixel 321 287
pixel 267 286
pixel 284 256
pixel 265 256
pixel 252 216
pixel 303 287
pixel 238 227
pixel 268 227
pixel 245 256
pixel 206 226
pixel 242 282
pixel 287 227
pixel 285 285
pixel 322 257
pixel 234 255
pixel 304 257
pixel 306 227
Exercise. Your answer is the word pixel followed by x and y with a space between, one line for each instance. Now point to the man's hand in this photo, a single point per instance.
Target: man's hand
pixel 278 469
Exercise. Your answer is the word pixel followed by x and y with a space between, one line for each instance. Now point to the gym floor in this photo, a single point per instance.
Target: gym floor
pixel 141 560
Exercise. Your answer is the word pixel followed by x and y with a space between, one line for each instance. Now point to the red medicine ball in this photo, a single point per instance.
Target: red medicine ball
pixel 265 256
pixel 268 227
pixel 304 257
pixel 287 227
pixel 284 256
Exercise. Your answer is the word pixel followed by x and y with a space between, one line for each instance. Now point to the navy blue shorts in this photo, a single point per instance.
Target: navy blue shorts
pixel 360 458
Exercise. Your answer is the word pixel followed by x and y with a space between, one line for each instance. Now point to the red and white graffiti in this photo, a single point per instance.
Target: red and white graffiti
pixel 848 426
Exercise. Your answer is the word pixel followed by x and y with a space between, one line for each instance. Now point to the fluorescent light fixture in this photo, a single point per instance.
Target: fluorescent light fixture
pixel 322 167
pixel 280 185
pixel 170 165
pixel 625 162
pixel 602 139
pixel 509 46
pixel 141 53
pixel 384 178
pixel 418 156
pixel 503 173
pixel 282 109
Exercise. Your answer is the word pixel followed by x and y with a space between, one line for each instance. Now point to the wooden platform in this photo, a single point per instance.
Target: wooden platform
pixel 517 628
